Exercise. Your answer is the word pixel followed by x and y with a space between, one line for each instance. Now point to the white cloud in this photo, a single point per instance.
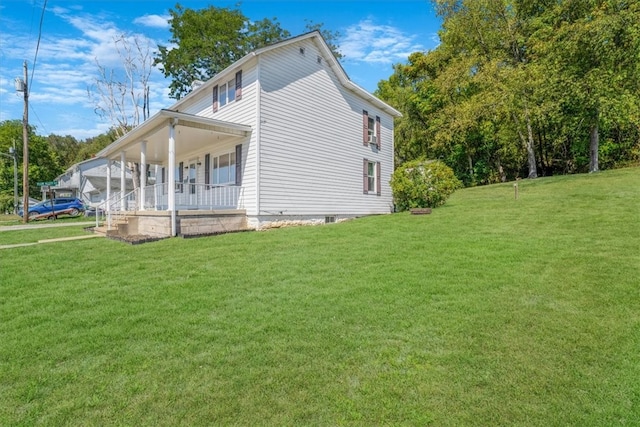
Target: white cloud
pixel 369 42
pixel 153 21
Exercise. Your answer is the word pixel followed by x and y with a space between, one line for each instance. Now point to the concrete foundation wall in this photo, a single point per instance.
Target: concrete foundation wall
pixel 265 222
pixel 188 223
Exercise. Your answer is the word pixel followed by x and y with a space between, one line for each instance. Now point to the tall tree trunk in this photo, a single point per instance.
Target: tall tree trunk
pixel 528 143
pixel 594 143
pixel 531 155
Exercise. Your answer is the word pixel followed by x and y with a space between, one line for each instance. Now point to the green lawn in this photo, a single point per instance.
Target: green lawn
pixel 489 311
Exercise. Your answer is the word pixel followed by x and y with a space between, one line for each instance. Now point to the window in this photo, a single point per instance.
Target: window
pixel 371 127
pixel 227 92
pixel 223 171
pixel 179 177
pixel 371 177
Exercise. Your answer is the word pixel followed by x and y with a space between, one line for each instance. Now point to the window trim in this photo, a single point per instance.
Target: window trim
pixel 377 183
pixel 371 130
pixel 232 86
pixel 215 165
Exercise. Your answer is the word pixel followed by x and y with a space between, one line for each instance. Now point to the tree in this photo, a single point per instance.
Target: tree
pixel 66 147
pixel 44 164
pixel 89 148
pixel 523 87
pixel 122 95
pixel 205 42
pixel 593 50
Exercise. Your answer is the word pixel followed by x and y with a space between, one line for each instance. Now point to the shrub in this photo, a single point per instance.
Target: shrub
pixel 423 184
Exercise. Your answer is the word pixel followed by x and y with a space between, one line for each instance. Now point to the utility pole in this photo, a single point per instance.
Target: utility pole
pixel 22 86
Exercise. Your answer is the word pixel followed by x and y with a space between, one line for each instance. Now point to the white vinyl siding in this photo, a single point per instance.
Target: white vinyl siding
pixel 242 111
pixel 311 148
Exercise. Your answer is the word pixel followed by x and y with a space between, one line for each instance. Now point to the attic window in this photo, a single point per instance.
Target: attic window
pixel 301 51
pixel 319 59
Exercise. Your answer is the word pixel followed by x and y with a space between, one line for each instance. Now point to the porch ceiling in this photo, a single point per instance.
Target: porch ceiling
pixel 191 134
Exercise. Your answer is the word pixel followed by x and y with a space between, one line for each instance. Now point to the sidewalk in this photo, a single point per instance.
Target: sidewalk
pixel 47 225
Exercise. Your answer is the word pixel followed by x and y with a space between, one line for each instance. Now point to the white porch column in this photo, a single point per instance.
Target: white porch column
pixel 108 207
pixel 143 172
pixel 171 180
pixel 123 181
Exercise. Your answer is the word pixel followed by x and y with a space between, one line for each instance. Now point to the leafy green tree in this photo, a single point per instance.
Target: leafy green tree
pixel 66 147
pixel 205 42
pixel 90 147
pixel 592 49
pixel 522 87
pixel 44 163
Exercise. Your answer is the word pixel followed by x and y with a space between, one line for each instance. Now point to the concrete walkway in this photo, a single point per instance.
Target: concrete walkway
pixel 47 225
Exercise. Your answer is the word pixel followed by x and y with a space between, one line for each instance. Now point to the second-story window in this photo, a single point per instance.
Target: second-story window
pixel 228 92
pixel 371 126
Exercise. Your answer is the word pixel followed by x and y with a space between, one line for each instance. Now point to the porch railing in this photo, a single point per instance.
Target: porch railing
pixel 113 207
pixel 194 197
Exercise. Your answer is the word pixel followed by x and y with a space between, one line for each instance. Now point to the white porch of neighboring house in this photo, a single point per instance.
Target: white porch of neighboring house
pixel 180 202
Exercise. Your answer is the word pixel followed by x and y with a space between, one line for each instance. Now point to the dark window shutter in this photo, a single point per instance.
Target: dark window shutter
pixel 180 176
pixel 378 180
pixel 239 85
pixel 365 128
pixel 207 170
pixel 365 173
pixel 163 180
pixel 215 99
pixel 379 139
pixel 239 164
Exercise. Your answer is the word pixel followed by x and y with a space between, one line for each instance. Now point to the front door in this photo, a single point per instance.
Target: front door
pixel 192 177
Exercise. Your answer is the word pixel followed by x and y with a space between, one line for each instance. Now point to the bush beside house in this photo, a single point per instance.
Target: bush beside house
pixel 423 184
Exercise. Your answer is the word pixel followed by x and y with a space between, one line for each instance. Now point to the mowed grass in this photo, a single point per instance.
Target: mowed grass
pixel 489 311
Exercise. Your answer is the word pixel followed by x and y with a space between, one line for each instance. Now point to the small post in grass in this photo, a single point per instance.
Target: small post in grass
pixel 515 189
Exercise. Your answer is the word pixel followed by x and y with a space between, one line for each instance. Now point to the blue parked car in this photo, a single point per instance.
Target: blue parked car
pixel 60 206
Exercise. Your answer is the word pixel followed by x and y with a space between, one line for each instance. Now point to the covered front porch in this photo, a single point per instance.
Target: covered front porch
pixel 176 148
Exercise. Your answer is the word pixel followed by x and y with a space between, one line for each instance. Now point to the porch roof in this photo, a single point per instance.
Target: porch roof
pixel 191 133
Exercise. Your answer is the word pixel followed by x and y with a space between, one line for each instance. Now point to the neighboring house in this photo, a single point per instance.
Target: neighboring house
pixel 282 135
pixel 87 181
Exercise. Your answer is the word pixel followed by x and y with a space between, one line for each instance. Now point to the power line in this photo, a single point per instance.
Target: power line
pixel 35 57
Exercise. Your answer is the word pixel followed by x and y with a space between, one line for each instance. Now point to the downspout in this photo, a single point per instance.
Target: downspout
pixel 258 136
pixel 171 180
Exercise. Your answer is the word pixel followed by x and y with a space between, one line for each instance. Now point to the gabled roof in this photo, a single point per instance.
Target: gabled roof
pixel 327 55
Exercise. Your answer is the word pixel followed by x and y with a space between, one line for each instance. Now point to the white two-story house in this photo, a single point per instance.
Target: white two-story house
pixel 282 135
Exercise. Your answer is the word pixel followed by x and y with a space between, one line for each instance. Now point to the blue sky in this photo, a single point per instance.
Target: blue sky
pixel 374 35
